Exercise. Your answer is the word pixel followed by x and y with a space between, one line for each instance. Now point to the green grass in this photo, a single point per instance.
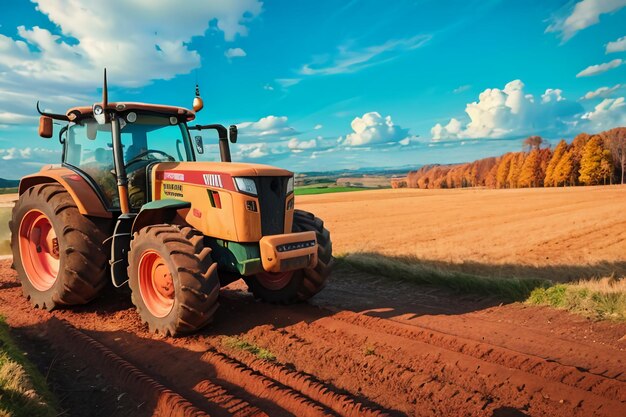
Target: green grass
pixel 325 190
pixel 23 391
pixel 597 298
pixel 8 190
pixel 598 304
pixel 411 269
pixel 5 235
pixel 238 343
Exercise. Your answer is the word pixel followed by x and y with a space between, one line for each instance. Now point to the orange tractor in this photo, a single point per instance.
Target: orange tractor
pixel 133 199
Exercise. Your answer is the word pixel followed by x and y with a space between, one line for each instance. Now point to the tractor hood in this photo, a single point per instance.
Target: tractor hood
pixel 232 169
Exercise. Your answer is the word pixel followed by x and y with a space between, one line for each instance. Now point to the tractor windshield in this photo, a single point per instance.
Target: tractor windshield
pixel 146 139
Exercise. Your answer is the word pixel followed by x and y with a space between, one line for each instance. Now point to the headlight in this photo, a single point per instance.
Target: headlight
pixel 245 185
pixel 290 186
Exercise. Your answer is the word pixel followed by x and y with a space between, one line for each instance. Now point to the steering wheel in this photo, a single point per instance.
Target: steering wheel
pixel 140 157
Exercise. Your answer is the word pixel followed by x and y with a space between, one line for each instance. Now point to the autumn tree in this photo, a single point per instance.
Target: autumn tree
pixel 503 170
pixel 515 169
pixel 533 142
pixel 596 164
pixel 559 151
pixel 616 142
pixel 564 172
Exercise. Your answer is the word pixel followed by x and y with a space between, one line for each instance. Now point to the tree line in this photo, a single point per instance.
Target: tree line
pixel 588 160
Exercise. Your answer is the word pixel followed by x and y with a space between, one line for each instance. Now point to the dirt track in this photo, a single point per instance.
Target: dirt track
pixel 410 350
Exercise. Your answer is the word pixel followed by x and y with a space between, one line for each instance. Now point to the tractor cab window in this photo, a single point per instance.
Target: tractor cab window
pixel 146 139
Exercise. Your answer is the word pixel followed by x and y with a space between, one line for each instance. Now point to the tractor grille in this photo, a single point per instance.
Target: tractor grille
pixel 272 192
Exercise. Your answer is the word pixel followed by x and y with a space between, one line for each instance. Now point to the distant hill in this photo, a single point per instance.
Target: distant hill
pixel 9 183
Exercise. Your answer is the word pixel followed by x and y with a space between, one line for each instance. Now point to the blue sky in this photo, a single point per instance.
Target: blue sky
pixel 325 84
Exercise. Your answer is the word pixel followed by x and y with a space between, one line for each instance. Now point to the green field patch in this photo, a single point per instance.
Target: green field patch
pixel 307 190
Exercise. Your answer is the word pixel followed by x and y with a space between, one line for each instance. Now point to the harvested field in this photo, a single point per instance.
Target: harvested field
pixel 561 234
pixel 368 345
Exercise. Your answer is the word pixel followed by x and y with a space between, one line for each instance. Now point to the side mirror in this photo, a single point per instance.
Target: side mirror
pixel 45 127
pixel 232 133
pixel 199 144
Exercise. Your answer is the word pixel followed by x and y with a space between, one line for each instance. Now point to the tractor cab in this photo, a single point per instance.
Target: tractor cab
pixel 146 139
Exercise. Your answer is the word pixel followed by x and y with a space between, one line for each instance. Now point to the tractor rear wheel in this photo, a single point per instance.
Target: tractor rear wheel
pixel 173 279
pixel 58 253
pixel 291 287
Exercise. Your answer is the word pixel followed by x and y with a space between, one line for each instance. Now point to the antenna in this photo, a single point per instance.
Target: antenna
pixel 105 91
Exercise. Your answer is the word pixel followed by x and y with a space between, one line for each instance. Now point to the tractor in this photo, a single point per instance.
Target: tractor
pixel 140 201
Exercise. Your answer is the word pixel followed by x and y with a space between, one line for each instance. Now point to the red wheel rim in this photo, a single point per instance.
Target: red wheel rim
pixel 156 285
pixel 274 280
pixel 39 250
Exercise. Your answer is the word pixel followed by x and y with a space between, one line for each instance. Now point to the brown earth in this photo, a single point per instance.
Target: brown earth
pixel 366 346
pixel 409 350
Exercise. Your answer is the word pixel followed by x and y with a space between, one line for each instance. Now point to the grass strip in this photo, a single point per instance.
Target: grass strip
pixel 603 298
pixel 327 190
pixel 23 391
pixel 585 298
pixel 411 269
pixel 5 235
pixel 238 343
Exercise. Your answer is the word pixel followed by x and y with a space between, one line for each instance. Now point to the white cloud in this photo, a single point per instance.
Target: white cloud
pixel 318 127
pixel 461 88
pixel 601 92
pixel 69 61
pixel 616 46
pixel 288 82
pixel 508 112
pixel 268 87
pixel 608 114
pixel 599 69
pixel 348 60
pixel 371 129
pixel 251 151
pixel 584 14
pixel 234 53
pixel 269 127
pixel 42 155
pixel 297 145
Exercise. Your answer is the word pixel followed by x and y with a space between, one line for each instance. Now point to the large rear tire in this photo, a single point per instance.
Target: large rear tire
pixel 58 253
pixel 300 285
pixel 173 279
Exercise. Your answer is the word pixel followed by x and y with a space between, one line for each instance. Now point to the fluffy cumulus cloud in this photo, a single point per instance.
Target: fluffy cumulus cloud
pixel 69 60
pixel 234 53
pixel 584 14
pixel 296 145
pixel 510 112
pixel 372 129
pixel 600 68
pixel 266 128
pixel 601 92
pixel 616 46
pixel 606 115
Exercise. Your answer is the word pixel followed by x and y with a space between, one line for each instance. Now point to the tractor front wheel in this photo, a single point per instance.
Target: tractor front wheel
pixel 173 279
pixel 293 286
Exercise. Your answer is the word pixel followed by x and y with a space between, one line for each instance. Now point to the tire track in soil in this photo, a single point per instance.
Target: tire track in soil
pixel 165 401
pixel 556 372
pixel 324 394
pixel 436 380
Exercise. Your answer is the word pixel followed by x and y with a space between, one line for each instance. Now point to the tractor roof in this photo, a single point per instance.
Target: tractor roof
pixel 86 111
